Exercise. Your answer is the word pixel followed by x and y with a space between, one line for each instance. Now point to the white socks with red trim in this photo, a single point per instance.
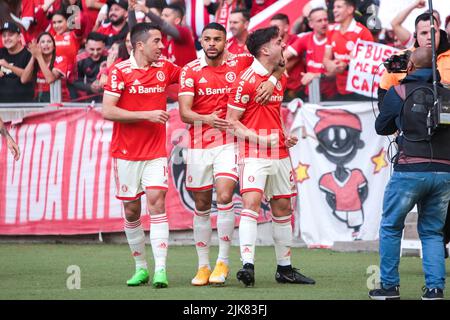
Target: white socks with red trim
pixel 225 230
pixel 282 237
pixel 202 236
pixel 136 241
pixel 247 235
pixel 159 238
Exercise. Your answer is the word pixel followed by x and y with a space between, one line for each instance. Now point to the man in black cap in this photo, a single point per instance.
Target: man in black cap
pixel 14 57
pixel 117 28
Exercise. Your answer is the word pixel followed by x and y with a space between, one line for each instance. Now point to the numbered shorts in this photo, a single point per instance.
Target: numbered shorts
pixel 206 165
pixel 272 177
pixel 132 178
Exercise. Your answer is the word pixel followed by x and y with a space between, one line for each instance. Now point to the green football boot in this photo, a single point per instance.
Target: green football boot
pixel 160 279
pixel 140 277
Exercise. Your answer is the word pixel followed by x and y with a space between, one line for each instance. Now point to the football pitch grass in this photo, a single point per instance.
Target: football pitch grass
pixel 39 271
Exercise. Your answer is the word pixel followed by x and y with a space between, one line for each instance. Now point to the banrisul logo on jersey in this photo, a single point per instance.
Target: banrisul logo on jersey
pixel 143 90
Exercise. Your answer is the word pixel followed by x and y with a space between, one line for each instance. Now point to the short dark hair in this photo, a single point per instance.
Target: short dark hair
pixel 423 17
pixel 95 36
pixel 215 26
pixel 281 16
pixel 245 13
pixel 351 3
pixel 140 32
pixel 259 38
pixel 62 13
pixel 177 8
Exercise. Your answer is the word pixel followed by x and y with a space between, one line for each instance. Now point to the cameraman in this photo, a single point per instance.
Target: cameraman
pixel 422 36
pixel 421 176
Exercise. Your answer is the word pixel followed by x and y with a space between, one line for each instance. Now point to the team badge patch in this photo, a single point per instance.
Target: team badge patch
pixel 160 76
pixel 230 77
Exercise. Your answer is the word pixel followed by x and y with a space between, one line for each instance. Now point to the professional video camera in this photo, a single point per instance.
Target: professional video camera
pixel 397 63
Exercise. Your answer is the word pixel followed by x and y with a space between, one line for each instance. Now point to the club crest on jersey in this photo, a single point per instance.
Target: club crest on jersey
pixel 230 77
pixel 245 98
pixel 279 86
pixel 160 76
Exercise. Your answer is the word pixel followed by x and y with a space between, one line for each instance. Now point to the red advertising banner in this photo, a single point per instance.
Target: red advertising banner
pixel 63 182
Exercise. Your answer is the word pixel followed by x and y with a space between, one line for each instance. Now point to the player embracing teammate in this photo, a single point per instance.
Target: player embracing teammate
pixel 222 96
pixel 212 160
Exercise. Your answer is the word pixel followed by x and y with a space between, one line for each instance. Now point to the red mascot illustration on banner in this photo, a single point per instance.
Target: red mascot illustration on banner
pixel 339 136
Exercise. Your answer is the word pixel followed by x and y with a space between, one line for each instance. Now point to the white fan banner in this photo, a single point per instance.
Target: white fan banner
pixel 342 168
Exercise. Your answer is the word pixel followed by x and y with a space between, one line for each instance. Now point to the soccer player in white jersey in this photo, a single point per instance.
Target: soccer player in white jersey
pixel 135 99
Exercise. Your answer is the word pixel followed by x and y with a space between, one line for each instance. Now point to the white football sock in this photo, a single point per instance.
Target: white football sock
pixel 202 236
pixel 282 237
pixel 247 235
pixel 225 229
pixel 136 241
pixel 159 238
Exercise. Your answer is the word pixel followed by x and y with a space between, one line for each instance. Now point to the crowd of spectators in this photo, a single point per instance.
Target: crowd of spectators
pixel 77 41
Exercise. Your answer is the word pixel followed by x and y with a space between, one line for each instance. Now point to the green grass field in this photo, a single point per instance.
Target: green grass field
pixel 36 271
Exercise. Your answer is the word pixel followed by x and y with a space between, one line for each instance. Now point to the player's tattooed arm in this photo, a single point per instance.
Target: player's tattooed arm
pixel 12 145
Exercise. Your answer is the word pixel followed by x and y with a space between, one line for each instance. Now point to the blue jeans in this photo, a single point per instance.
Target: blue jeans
pixel 431 192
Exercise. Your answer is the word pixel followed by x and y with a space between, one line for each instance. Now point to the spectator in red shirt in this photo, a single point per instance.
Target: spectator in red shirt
pixel 296 66
pixel 239 21
pixel 311 45
pixel 45 67
pixel 117 28
pixel 35 17
pixel 67 42
pixel 224 10
pixel 91 9
pixel 260 5
pixel 178 40
pixel 344 35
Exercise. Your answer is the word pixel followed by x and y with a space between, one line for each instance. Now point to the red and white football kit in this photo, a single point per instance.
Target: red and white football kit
pixel 211 153
pixel 139 148
pixel 314 50
pixel 266 170
pixel 342 45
